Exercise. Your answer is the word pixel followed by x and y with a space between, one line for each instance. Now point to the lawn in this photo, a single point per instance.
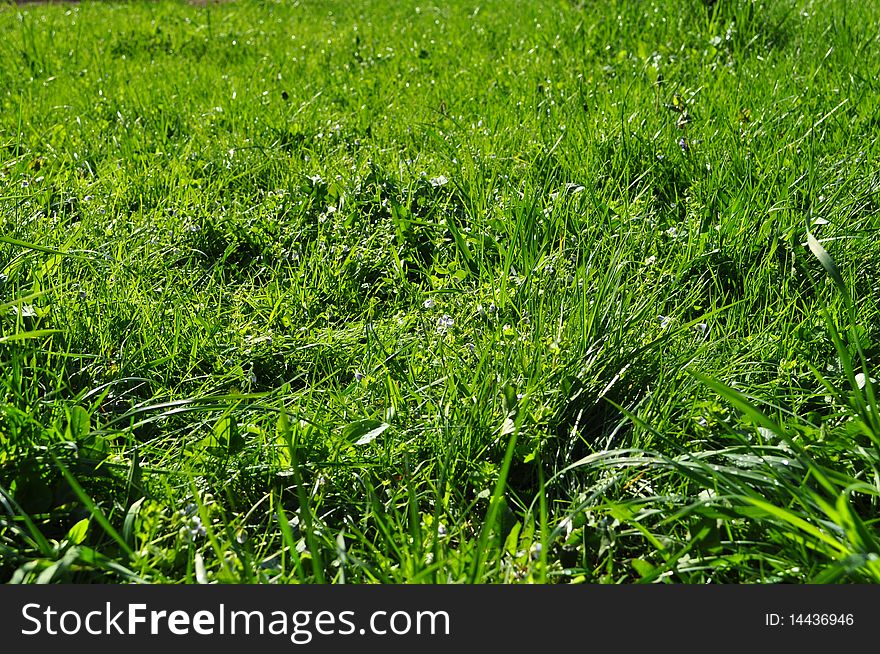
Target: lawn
pixel 469 291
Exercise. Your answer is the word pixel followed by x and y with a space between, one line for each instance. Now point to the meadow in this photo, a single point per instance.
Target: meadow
pixel 477 291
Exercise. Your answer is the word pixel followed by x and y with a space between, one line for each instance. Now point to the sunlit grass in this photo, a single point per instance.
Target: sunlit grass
pixel 403 292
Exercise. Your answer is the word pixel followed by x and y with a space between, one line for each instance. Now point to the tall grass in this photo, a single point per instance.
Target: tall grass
pixel 564 292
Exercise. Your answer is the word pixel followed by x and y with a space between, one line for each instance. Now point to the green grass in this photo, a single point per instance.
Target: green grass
pixel 456 292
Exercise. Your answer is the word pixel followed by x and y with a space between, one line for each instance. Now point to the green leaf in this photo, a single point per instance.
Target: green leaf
pixel 862 538
pixel 80 423
pixel 290 541
pixel 23 336
pixel 128 527
pixel 740 402
pixel 621 512
pixel 512 540
pixel 363 432
pixel 797 522
pixel 643 568
pixel 495 503
pixel 225 438
pixel 461 244
pixel 827 262
pixel 77 533
pixel 29 246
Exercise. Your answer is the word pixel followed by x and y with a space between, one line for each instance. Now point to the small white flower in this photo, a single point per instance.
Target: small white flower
pixel 429 303
pixel 444 323
pixel 195 529
pixel 25 311
pixel 535 551
pixel 650 261
pixel 189 510
pixel 862 380
pixel 442 180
